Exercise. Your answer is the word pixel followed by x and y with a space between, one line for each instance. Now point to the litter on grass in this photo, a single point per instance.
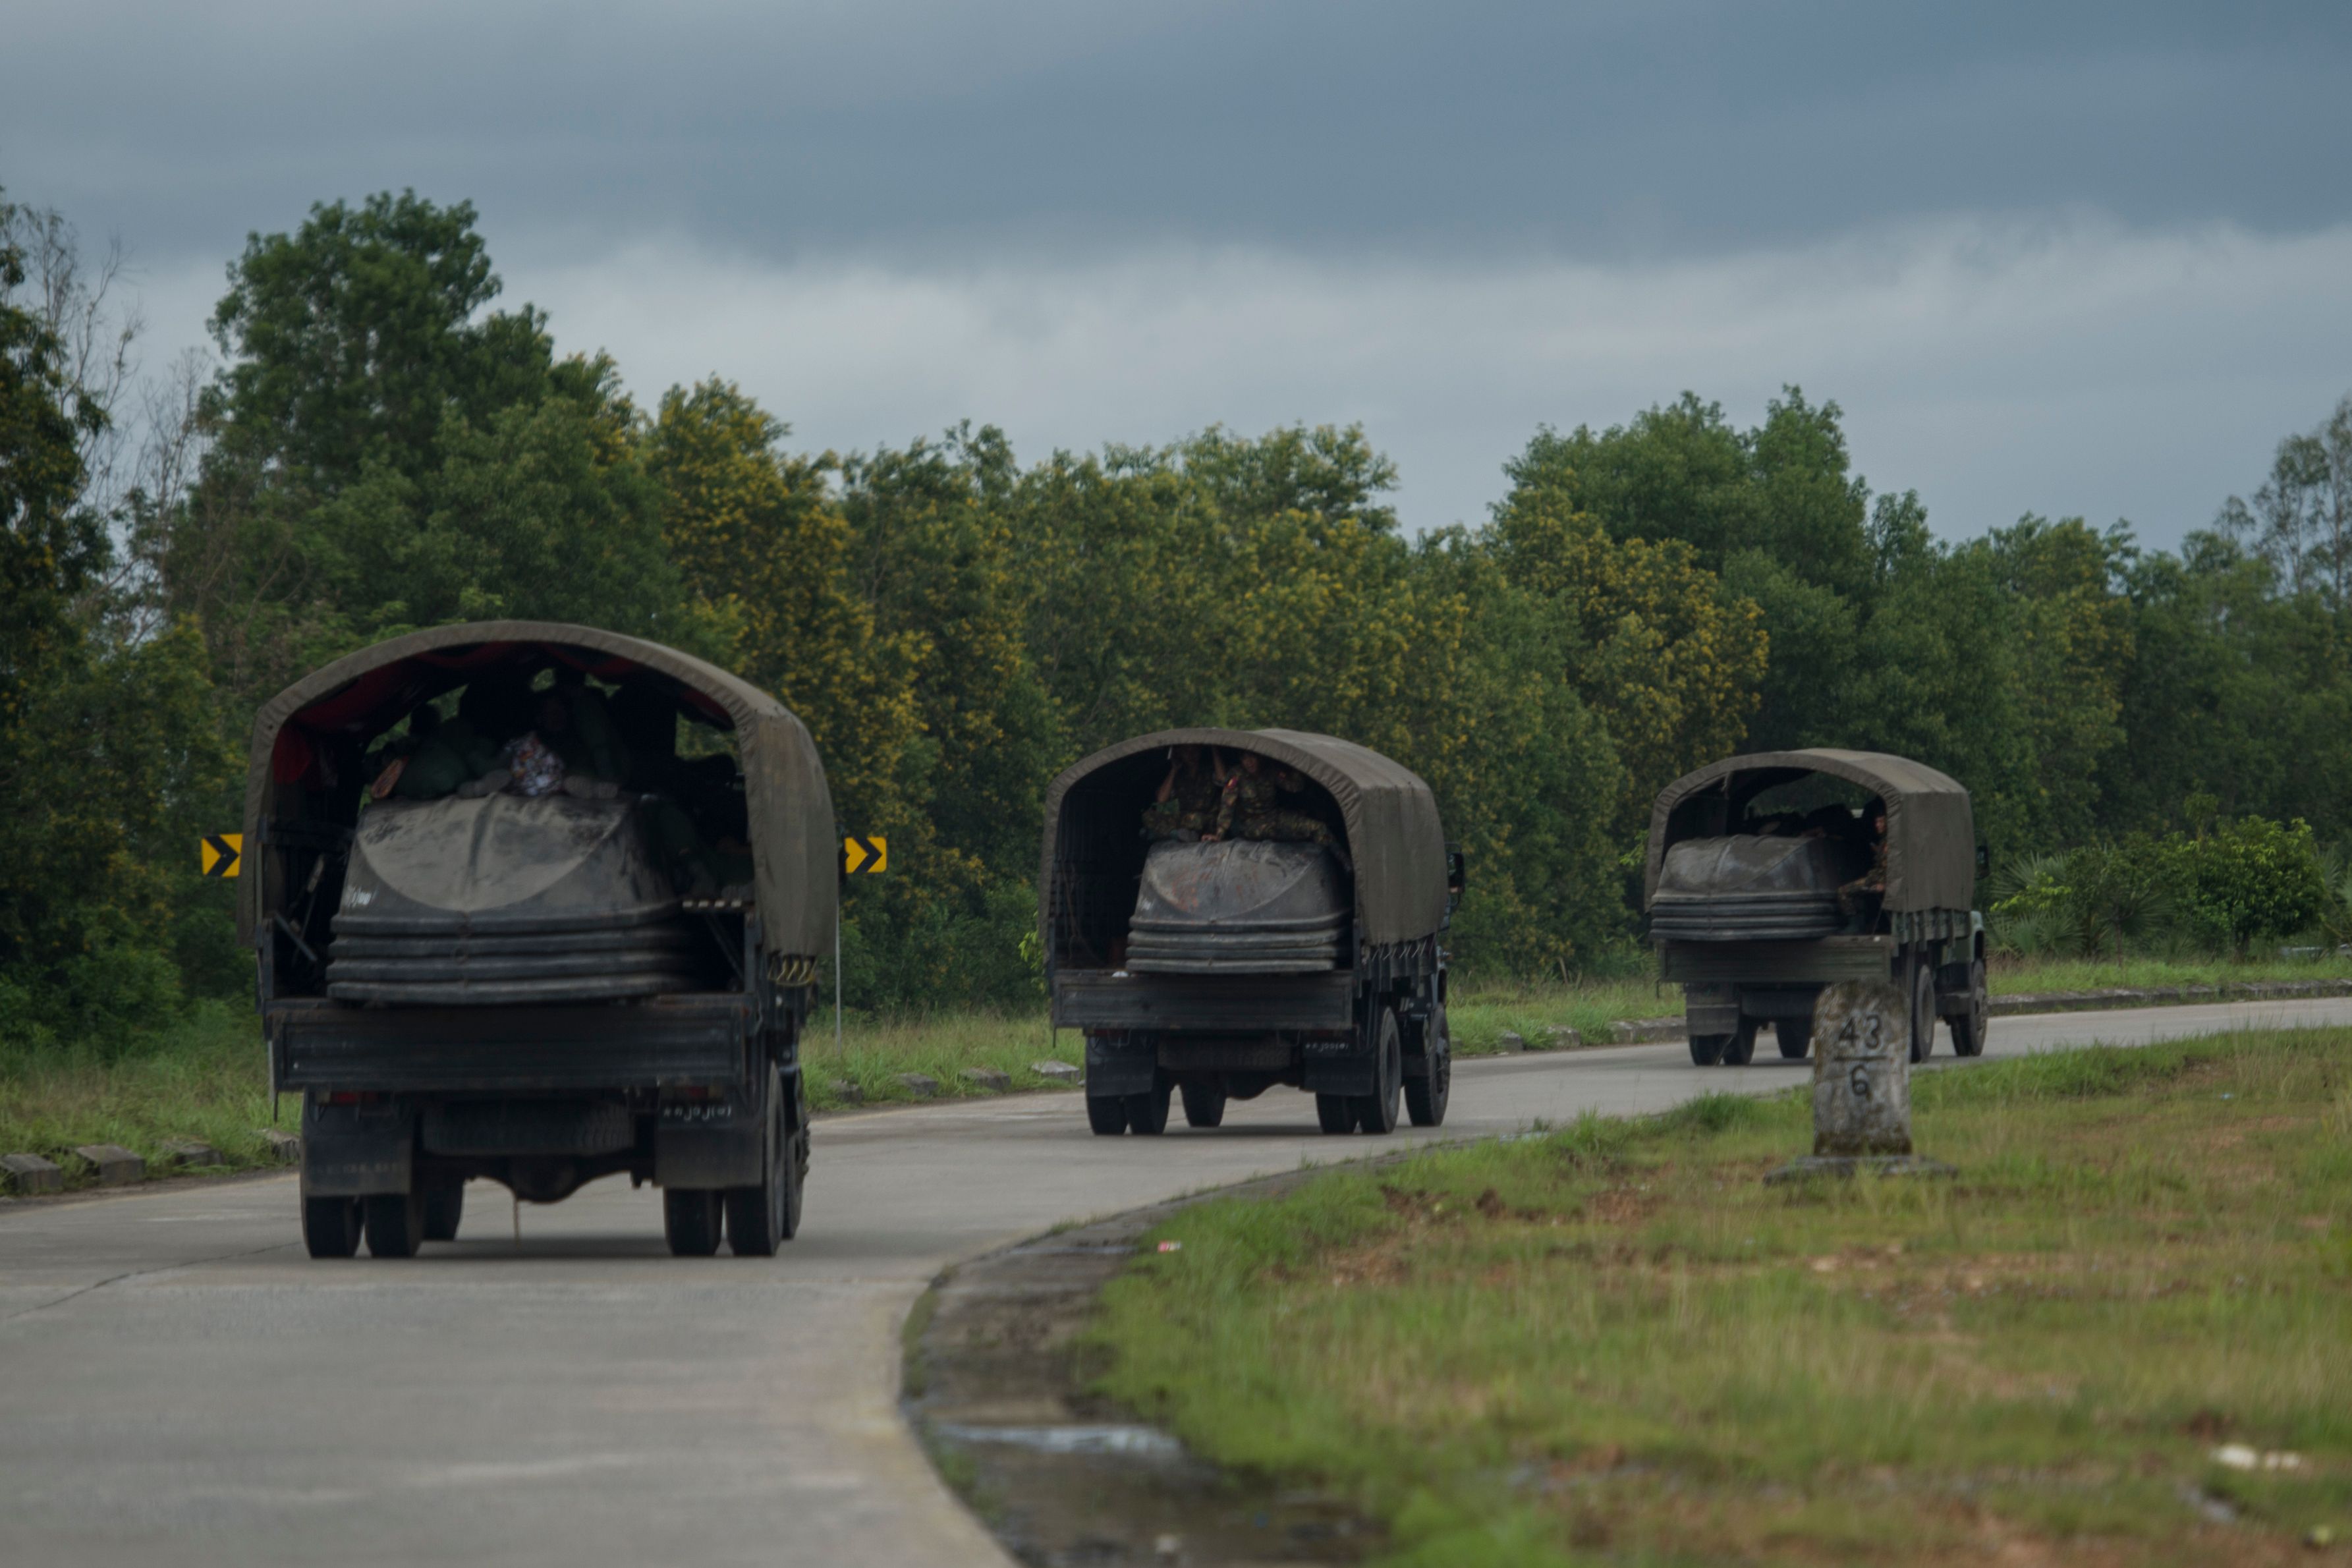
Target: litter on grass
pixel 2238 1457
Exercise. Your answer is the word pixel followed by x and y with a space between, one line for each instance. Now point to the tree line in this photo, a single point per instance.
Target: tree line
pixel 380 445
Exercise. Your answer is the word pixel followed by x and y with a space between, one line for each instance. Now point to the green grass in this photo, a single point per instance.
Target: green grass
pixel 1614 1343
pixel 2011 976
pixel 204 1079
pixel 1479 1012
pixel 876 1051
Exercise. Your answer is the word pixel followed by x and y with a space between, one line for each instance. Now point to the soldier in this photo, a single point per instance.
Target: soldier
pixel 1851 896
pixel 1253 808
pixel 1187 802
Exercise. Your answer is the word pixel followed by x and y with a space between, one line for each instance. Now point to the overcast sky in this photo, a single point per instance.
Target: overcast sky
pixel 2069 258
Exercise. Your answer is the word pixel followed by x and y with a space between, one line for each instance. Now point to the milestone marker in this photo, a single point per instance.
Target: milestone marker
pixel 1862 1087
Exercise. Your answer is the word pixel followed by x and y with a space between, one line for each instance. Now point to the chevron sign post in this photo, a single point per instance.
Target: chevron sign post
pixel 860 857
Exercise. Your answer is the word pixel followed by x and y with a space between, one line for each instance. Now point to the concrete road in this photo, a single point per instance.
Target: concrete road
pixel 182 1385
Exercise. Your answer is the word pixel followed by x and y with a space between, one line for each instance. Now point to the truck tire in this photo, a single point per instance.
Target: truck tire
pixel 1377 1112
pixel 1205 1104
pixel 1147 1112
pixel 1739 1046
pixel 331 1226
pixel 1426 1096
pixel 1107 1114
pixel 395 1223
pixel 1969 1028
pixel 1336 1112
pixel 1794 1036
pixel 1706 1050
pixel 443 1206
pixel 763 1217
pixel 1923 1011
pixel 690 1221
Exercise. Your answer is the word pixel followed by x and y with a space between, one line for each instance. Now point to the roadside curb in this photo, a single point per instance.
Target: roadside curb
pixel 2166 995
pixel 996 1388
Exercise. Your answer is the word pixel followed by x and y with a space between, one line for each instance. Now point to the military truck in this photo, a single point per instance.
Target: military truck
pixel 1216 971
pixel 494 984
pixel 1768 877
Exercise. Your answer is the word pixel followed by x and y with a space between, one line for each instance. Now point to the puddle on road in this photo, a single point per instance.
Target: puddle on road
pixel 997 1387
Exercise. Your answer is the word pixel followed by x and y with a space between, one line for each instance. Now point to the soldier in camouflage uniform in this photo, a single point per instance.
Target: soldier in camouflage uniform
pixel 1252 809
pixel 1851 896
pixel 1187 802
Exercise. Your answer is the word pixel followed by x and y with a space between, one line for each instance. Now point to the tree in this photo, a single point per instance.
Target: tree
pixel 353 341
pixel 764 552
pixel 50 546
pixel 386 453
pixel 1658 649
pixel 109 750
pixel 2235 690
pixel 2300 521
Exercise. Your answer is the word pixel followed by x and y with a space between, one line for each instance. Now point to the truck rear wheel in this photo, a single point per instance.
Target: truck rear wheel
pixel 331 1226
pixel 1426 1096
pixel 1969 1028
pixel 1795 1037
pixel 762 1218
pixel 690 1221
pixel 1706 1050
pixel 1739 1046
pixel 395 1223
pixel 1336 1112
pixel 1107 1114
pixel 1923 1011
pixel 1377 1111
pixel 1147 1112
pixel 443 1208
pixel 1205 1104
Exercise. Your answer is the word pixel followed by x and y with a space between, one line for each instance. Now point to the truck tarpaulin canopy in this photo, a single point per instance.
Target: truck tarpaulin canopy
pixel 324 720
pixel 1393 833
pixel 1930 830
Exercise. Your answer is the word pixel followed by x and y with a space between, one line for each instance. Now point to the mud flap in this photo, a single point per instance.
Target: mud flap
pixel 1121 1064
pixel 710 1144
pixel 1711 1009
pixel 357 1151
pixel 1336 1067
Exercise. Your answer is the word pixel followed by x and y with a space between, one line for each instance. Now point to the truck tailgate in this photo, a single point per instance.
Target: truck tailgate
pixel 693 1038
pixel 1100 999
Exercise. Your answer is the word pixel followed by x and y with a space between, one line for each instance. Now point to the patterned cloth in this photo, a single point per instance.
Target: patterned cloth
pixel 536 768
pixel 1253 808
pixel 1191 809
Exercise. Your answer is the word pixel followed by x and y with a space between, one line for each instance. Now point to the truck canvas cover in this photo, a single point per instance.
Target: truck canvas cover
pixel 1393 835
pixel 1930 830
pixel 323 720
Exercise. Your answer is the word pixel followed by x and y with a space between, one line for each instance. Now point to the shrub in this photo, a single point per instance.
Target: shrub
pixel 2221 888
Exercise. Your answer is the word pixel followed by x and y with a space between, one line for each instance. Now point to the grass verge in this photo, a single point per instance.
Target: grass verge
pixel 1613 1343
pixel 205 1077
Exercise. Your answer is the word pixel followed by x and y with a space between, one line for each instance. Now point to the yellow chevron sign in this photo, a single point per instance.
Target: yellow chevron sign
pixel 220 853
pixel 867 856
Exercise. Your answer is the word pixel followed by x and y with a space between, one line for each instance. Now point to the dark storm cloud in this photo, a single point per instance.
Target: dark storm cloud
pixel 915 129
